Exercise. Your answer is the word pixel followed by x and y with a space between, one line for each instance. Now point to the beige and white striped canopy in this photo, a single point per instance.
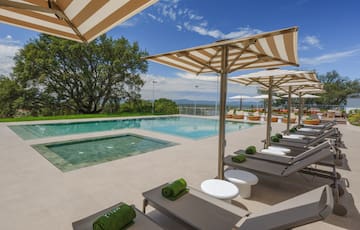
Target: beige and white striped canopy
pixel 79 20
pixel 281 79
pixel 304 87
pixel 277 48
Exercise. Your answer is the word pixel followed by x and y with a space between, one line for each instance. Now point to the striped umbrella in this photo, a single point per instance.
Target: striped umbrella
pixel 75 20
pixel 241 97
pixel 276 79
pixel 266 50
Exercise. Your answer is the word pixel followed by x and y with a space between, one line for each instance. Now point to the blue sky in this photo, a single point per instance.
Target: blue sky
pixel 329 37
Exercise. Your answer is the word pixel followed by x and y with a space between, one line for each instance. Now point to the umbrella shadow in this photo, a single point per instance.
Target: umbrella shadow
pixel 272 190
pixel 343 163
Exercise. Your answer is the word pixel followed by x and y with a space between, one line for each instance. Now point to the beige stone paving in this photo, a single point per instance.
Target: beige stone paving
pixel 36 195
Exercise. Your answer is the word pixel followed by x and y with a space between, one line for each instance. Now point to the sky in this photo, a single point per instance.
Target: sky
pixel 329 38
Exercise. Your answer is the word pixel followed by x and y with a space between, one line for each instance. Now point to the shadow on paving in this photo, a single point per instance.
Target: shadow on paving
pixel 272 190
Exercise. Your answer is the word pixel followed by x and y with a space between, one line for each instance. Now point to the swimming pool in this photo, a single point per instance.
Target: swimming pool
pixel 188 127
pixel 71 155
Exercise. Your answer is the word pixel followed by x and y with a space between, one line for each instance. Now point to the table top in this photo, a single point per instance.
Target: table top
pixel 241 177
pixel 220 189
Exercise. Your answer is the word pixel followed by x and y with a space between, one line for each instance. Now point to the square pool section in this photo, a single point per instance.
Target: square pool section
pixel 71 155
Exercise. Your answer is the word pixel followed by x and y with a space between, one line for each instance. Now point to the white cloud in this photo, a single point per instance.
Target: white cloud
pixel 310 41
pixel 179 27
pixel 8 49
pixel 329 58
pixel 183 87
pixel 128 23
pixel 155 18
pixel 187 19
pixel 215 33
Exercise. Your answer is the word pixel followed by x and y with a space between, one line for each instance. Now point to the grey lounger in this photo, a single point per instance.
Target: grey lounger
pixel 200 211
pixel 333 134
pixel 141 222
pixel 297 147
pixel 283 166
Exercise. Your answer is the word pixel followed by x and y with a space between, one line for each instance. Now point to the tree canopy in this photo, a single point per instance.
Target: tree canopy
pixel 81 77
pixel 337 88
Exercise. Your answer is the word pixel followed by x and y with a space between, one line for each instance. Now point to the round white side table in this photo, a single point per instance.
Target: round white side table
pixel 243 179
pixel 220 189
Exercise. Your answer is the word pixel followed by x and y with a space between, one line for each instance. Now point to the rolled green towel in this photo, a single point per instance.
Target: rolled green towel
pixel 239 158
pixel 250 150
pixel 279 135
pixel 292 130
pixel 116 219
pixel 275 139
pixel 174 189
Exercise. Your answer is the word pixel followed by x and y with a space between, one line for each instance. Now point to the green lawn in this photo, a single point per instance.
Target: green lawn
pixel 77 116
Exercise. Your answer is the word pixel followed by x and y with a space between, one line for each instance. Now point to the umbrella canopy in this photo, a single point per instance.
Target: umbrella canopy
pixel 277 48
pixel 298 90
pixel 275 79
pixel 265 96
pixel 241 97
pixel 309 96
pixel 303 96
pixel 75 20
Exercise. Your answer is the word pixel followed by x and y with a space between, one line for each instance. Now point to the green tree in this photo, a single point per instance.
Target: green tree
pixel 337 88
pixel 10 94
pixel 165 106
pixel 83 77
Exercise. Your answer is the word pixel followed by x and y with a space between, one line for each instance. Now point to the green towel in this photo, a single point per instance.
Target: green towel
pixel 292 130
pixel 239 158
pixel 250 150
pixel 174 190
pixel 275 139
pixel 116 219
pixel 279 135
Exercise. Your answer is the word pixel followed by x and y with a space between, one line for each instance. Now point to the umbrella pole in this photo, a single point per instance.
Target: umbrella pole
pixel 240 103
pixel 289 111
pixel 300 109
pixel 269 112
pixel 223 88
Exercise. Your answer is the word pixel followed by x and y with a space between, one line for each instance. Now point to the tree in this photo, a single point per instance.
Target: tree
pixel 83 77
pixel 165 106
pixel 337 88
pixel 10 93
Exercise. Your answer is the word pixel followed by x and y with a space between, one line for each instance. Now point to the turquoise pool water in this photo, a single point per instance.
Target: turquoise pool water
pixel 189 127
pixel 70 155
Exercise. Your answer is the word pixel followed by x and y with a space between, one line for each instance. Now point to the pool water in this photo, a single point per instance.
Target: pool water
pixel 70 155
pixel 188 127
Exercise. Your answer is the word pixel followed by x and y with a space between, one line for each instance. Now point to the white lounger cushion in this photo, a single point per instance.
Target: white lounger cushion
pixel 273 152
pixel 282 149
pixel 294 136
pixel 309 130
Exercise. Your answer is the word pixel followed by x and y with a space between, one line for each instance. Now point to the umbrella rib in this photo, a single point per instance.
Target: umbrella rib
pixel 243 50
pixel 259 58
pixel 19 5
pixel 59 13
pixel 193 58
pixel 210 60
pixel 53 9
pixel 274 58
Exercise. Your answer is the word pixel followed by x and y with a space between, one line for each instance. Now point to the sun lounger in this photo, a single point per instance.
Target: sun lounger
pixel 304 144
pixel 283 166
pixel 200 211
pixel 141 221
pixel 302 141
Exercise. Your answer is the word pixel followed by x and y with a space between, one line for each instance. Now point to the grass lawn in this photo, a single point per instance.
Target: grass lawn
pixel 76 116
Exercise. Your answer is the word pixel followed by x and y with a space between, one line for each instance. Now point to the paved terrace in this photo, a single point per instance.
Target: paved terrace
pixel 35 194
